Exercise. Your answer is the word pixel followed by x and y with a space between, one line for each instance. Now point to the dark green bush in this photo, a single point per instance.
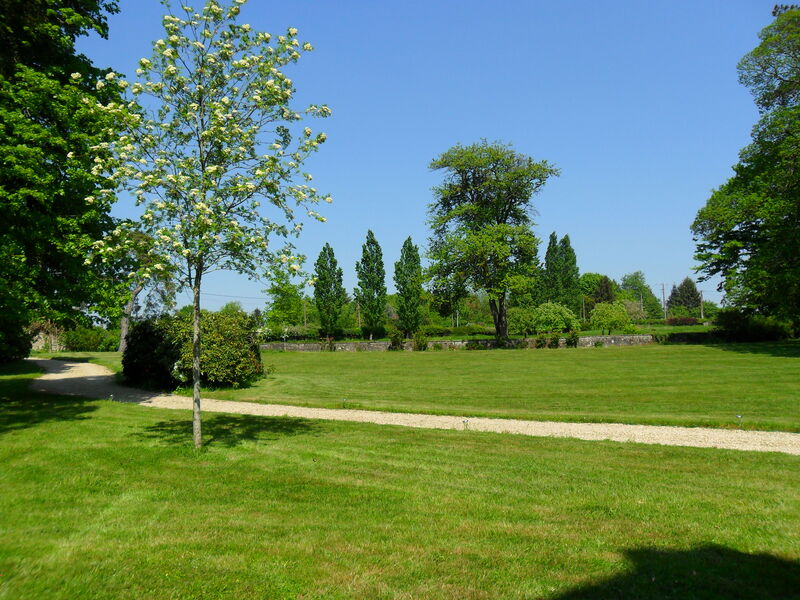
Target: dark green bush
pixel 396 340
pixel 540 341
pixel 151 354
pixel 420 343
pixel 598 344
pixel 682 321
pixel 437 346
pixel 90 339
pixel 377 333
pixel 734 325
pixel 436 330
pixel 553 341
pixel 476 345
pixel 15 341
pixel 229 355
pixel 467 330
pixel 572 339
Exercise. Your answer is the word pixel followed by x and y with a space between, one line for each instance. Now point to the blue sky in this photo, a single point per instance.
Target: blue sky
pixel 637 103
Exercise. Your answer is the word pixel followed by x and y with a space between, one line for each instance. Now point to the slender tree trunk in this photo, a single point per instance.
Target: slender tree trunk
pixel 125 322
pixel 498 308
pixel 196 421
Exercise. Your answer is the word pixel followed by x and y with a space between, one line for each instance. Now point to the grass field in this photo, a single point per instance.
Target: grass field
pixel 102 500
pixel 689 385
pixel 654 384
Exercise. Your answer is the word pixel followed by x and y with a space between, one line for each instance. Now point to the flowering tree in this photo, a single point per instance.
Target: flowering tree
pixel 212 135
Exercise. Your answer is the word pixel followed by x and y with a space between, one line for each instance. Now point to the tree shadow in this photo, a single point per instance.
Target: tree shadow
pixel 709 572
pixel 229 430
pixel 788 349
pixel 21 408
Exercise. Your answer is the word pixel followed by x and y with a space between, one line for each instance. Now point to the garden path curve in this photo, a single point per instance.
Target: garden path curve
pixel 93 381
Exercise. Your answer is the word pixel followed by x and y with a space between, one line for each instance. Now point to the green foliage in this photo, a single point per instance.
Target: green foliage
pixel 55 205
pixel 553 341
pixel 481 219
pixel 420 343
pixel 609 316
pixel 605 292
pixel 560 280
pixel 736 325
pixel 521 320
pixel 408 281
pixel 90 339
pixel 685 295
pixel 572 339
pixel 552 318
pixel 285 307
pixel 371 291
pixel 229 356
pixel 397 340
pixel 749 230
pixel 151 354
pixel 329 293
pixel 540 341
pixel 635 284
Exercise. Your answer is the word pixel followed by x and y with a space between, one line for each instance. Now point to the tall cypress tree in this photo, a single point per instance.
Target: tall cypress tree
pixel 605 291
pixel 371 291
pixel 551 278
pixel 329 293
pixel 685 294
pixel 570 292
pixel 408 281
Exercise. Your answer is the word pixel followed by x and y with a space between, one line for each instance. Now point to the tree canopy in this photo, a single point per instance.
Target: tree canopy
pixel 55 203
pixel 481 222
pixel 329 293
pixel 371 291
pixel 408 281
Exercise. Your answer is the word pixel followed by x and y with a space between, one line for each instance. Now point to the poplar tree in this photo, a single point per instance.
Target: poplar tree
pixel 551 278
pixel 408 281
pixel 329 293
pixel 570 292
pixel 371 291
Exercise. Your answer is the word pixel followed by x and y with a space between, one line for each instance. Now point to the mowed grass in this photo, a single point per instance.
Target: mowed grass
pixel 104 500
pixel 656 384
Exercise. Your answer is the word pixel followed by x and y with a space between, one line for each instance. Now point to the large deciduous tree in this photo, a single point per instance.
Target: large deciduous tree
pixel 55 203
pixel 329 293
pixel 749 230
pixel 216 136
pixel 635 285
pixel 481 222
pixel 408 281
pixel 371 291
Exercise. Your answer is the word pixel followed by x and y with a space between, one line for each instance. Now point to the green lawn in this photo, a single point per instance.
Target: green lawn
pixel 103 500
pixel 654 384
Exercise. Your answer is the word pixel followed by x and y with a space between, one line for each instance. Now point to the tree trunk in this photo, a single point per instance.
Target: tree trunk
pixel 125 322
pixel 196 421
pixel 499 316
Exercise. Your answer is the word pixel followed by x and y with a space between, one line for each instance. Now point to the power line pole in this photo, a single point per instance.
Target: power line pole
pixel 664 301
pixel 701 306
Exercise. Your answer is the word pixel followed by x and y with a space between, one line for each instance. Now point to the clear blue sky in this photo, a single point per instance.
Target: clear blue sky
pixel 637 103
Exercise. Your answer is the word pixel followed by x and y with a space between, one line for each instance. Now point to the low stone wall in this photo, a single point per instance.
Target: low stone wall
pixel 583 342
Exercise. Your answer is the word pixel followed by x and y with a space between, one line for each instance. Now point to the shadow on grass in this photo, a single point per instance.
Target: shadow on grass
pixel 21 408
pixel 228 430
pixel 788 349
pixel 705 573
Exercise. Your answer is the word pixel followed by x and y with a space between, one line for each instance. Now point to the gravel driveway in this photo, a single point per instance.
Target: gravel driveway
pixel 93 381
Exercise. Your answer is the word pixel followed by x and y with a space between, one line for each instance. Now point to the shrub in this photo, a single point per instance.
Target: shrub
pixel 475 345
pixel 229 355
pixel 377 332
pixel 598 344
pixel 396 340
pixel 420 343
pixel 572 339
pixel 467 330
pixel 630 329
pixel 553 318
pixel 521 320
pixel 90 339
pixel 554 341
pixel 151 354
pixel 682 321
pixel 540 341
pixel 436 346
pixel 735 325
pixel 436 330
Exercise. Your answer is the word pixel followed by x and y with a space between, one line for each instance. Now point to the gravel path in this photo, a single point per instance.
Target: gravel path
pixel 93 381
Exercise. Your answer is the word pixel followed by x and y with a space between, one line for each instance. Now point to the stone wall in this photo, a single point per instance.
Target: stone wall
pixel 583 342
